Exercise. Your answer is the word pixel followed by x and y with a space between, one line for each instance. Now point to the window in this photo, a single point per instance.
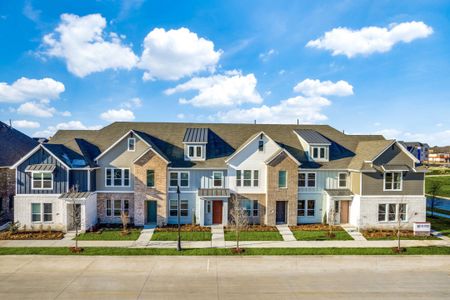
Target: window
pixel 179 178
pixel 393 181
pixel 42 181
pixel 391 212
pixel 306 179
pixel 319 153
pixel 336 206
pixel 195 151
pixel 117 177
pixel 250 207
pixel 41 212
pixel 260 145
pixel 108 208
pixel 217 179
pixel 131 144
pixel 282 180
pixel 247 177
pixel 342 180
pixel 184 208
pixel 306 208
pixel 150 178
pixel 115 207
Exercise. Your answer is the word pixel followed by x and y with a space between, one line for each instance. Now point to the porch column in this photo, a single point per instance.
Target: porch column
pixel 202 212
pixel 225 213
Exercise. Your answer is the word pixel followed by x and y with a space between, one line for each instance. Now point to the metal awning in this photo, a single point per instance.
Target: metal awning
pixel 214 192
pixel 339 192
pixel 75 195
pixel 41 168
pixel 391 168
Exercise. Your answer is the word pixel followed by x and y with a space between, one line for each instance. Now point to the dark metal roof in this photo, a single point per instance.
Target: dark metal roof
pixel 214 192
pixel 312 136
pixel 75 195
pixel 339 192
pixel 196 135
pixel 13 145
pixel 41 168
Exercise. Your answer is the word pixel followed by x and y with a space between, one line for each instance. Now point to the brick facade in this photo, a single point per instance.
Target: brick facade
pixel 261 205
pixel 142 193
pixel 274 193
pixel 101 206
pixel 7 190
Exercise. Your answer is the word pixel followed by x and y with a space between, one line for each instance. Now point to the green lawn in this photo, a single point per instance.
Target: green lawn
pixel 221 251
pixel 440 224
pixel 319 235
pixel 254 236
pixel 110 234
pixel 445 189
pixel 393 238
pixel 185 236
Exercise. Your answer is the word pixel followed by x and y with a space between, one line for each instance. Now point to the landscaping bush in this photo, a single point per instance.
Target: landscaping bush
pixel 32 235
pixel 380 234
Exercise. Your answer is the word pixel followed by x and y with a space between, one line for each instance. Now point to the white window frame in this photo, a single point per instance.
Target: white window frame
pixel 221 179
pixel 122 177
pixel 393 181
pixel 325 153
pixel 134 144
pixel 306 209
pixel 179 179
pixel 41 213
pixel 194 151
pixel 252 179
pixel 42 188
pixel 252 212
pixel 397 212
pixel 182 201
pixel 307 180
pixel 113 207
pixel 339 180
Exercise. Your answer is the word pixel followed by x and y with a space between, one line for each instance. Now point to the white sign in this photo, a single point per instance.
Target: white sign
pixel 422 228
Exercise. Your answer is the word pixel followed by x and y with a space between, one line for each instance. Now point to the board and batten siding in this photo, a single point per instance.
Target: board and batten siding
pixel 79 178
pixel 24 179
pixel 325 180
pixel 198 179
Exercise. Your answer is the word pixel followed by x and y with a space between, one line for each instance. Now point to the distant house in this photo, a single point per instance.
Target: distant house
pixel 439 158
pixel 13 146
pixel 418 149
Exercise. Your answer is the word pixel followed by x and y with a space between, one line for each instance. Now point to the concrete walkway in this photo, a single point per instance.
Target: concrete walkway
pixel 218 236
pixel 144 238
pixel 286 233
pixel 353 232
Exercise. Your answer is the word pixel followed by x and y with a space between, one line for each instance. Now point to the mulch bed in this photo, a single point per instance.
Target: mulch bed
pixel 315 227
pixel 379 234
pixel 32 235
pixel 184 228
pixel 254 228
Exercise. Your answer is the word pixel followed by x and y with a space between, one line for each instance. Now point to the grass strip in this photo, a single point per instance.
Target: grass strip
pixel 320 235
pixel 254 236
pixel 110 235
pixel 185 236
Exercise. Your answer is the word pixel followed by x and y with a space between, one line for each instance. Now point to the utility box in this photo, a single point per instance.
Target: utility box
pixel 422 228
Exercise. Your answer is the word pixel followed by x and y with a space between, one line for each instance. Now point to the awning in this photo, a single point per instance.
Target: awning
pixel 339 192
pixel 392 168
pixel 73 195
pixel 41 168
pixel 214 192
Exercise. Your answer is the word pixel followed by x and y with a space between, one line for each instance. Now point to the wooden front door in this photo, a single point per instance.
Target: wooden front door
pixel 344 212
pixel 217 212
pixel 281 212
pixel 151 212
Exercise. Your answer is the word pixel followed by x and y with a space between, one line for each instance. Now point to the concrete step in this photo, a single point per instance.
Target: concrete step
pixel 286 233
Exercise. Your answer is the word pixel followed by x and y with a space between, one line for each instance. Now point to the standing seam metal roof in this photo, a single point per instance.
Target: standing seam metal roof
pixel 196 135
pixel 312 136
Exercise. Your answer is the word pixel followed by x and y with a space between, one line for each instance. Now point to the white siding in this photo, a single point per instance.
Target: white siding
pixel 90 211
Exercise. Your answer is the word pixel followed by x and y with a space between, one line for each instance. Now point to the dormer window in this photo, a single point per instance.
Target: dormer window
pixel 319 153
pixel 131 144
pixel 195 152
pixel 195 141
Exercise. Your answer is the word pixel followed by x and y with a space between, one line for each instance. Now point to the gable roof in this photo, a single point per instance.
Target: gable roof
pixel 223 141
pixel 14 145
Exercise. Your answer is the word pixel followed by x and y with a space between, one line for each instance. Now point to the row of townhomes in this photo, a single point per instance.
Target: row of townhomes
pixel 290 174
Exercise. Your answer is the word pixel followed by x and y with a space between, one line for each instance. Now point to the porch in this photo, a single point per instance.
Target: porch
pixel 213 206
pixel 79 208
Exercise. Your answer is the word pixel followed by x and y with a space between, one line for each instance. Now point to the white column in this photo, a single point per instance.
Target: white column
pixel 202 212
pixel 225 213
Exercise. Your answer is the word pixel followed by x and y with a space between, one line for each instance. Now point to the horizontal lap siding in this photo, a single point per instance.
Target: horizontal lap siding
pixel 41 157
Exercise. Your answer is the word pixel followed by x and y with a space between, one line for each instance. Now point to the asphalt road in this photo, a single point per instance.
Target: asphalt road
pixel 259 277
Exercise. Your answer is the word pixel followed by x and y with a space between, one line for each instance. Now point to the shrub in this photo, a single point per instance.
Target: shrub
pixel 14 227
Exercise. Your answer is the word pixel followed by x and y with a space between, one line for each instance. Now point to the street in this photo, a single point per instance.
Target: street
pixel 257 277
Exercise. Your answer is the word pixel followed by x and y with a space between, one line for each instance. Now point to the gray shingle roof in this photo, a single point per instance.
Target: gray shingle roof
pixel 312 136
pixel 13 145
pixel 196 135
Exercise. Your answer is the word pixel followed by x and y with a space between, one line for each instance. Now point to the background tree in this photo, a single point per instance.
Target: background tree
pixel 434 189
pixel 239 219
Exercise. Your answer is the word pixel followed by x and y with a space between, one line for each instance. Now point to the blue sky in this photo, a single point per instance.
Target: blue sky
pixel 360 66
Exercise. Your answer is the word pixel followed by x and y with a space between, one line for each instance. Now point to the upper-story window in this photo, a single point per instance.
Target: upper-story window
pixel 150 178
pixel 117 177
pixel 342 180
pixel 42 181
pixel 319 152
pixel 131 144
pixel 282 179
pixel 195 152
pixel 217 179
pixel 261 145
pixel 393 181
pixel 306 179
pixel 247 178
pixel 179 179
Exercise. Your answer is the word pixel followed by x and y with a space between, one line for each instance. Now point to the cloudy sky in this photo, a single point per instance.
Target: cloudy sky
pixel 360 66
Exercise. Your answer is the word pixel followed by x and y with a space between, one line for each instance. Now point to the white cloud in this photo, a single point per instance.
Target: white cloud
pixel 31 13
pixel 389 133
pixel 306 110
pixel 315 87
pixel 37 109
pixel 267 55
pixel 181 116
pixel 25 89
pixel 229 89
pixel 114 115
pixel 73 125
pixel 66 114
pixel 368 40
pixel 25 124
pixel 281 72
pixel 82 43
pixel 132 103
pixel 176 53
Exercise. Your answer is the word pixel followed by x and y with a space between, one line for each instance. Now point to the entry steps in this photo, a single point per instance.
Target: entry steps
pixel 218 236
pixel 354 233
pixel 286 233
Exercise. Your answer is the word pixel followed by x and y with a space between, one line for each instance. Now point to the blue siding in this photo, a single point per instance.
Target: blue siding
pixel 41 157
pixel 93 180
pixel 79 178
pixel 200 179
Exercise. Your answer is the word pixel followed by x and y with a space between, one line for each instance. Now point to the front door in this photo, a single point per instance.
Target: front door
pixel 217 212
pixel 151 212
pixel 344 212
pixel 281 212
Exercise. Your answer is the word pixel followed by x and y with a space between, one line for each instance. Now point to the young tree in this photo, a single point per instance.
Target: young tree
pixel 332 214
pixel 401 215
pixel 434 189
pixel 125 219
pixel 239 219
pixel 75 214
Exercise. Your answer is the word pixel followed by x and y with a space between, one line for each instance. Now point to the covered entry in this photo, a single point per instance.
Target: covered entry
pixel 281 212
pixel 213 206
pixel 339 201
pixel 80 208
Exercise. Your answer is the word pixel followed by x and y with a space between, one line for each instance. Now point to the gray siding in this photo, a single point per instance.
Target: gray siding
pixel 41 157
pixel 372 184
pixel 200 179
pixel 79 178
pixel 394 156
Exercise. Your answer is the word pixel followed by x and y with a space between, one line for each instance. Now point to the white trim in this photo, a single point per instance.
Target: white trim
pixel 42 181
pixel 401 148
pixel 248 143
pixel 34 151
pixel 222 179
pixel 346 180
pixel 188 143
pixel 38 195
pixel 392 196
pixel 122 177
pixel 89 180
pixel 179 179
pixel 397 213
pixel 281 151
pixel 306 180
pixel 134 144
pixel 393 181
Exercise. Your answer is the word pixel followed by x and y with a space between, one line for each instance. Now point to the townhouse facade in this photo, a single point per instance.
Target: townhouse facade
pixel 291 174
